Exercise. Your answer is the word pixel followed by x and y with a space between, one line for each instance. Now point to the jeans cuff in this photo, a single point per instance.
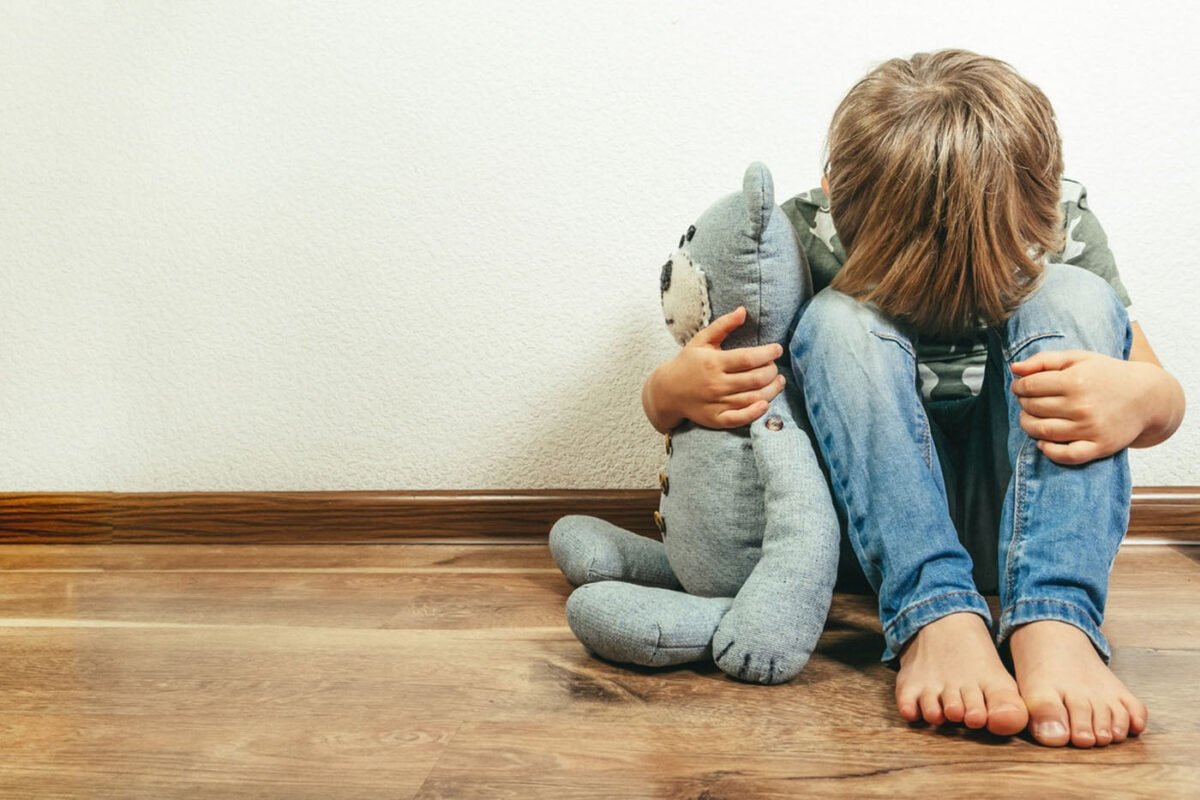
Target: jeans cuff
pixel 1024 611
pixel 919 614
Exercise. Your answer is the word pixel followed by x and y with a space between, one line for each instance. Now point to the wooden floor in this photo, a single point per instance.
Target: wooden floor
pixel 432 670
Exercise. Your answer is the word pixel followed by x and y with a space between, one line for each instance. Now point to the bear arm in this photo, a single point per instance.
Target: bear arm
pixel 778 614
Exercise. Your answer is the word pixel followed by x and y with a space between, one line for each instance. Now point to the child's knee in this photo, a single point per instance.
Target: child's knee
pixel 1076 306
pixel 835 325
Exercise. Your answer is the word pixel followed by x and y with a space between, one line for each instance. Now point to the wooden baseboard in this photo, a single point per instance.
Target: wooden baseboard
pixel 1160 515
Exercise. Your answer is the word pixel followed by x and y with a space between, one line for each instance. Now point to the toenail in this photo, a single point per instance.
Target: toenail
pixel 1050 730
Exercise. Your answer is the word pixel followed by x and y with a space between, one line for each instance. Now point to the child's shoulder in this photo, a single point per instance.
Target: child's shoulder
pixel 812 201
pixel 1072 192
pixel 813 206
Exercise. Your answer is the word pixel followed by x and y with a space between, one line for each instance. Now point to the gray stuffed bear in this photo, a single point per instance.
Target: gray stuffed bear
pixel 745 570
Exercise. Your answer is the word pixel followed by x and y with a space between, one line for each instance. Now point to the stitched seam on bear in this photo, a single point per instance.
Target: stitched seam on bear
pixel 681 646
pixel 593 574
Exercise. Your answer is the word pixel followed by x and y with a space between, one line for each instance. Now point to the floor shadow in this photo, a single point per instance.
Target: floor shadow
pixel 857 648
pixel 1189 550
pixel 963 733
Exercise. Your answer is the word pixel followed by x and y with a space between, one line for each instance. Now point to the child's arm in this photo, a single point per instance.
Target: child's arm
pixel 1081 406
pixel 713 387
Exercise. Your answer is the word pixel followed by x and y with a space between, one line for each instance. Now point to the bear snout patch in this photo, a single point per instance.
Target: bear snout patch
pixel 684 297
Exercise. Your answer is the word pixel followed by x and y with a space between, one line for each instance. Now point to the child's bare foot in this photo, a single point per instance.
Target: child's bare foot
pixel 950 672
pixel 1071 693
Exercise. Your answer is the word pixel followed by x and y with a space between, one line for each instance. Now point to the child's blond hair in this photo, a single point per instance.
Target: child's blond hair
pixel 944 174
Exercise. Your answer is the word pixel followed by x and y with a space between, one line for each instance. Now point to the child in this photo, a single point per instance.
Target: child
pixel 972 379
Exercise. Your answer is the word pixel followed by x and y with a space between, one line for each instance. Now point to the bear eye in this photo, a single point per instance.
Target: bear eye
pixel 691 232
pixel 681 238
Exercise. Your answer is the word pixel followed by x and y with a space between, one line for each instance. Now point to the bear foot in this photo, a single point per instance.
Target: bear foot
pixel 644 625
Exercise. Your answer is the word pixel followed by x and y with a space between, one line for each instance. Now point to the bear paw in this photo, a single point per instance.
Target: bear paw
pixel 749 658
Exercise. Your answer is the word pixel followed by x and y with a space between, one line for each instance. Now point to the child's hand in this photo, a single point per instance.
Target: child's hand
pixel 1080 405
pixel 718 388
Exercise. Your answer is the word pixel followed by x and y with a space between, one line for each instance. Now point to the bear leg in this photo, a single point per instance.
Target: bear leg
pixel 589 549
pixel 644 625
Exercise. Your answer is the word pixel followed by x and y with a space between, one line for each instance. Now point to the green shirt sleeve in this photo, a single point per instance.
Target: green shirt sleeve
pixel 1085 244
pixel 809 215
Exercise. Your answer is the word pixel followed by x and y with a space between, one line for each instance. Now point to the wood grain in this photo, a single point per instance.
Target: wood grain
pixel 448 671
pixel 310 517
pixel 1159 513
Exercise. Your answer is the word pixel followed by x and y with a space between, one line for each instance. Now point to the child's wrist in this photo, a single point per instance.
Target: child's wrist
pixel 658 402
pixel 1163 409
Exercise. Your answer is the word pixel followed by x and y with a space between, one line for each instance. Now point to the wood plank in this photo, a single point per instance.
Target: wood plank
pixel 407 599
pixel 83 518
pixel 201 671
pixel 1170 513
pixel 372 753
pixel 782 757
pixel 491 555
pixel 323 517
pixel 1165 513
pixel 356 517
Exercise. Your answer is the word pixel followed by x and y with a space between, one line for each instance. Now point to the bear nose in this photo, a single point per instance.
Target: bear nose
pixel 664 280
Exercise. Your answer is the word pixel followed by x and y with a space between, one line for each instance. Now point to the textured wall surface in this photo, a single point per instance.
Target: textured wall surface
pixel 324 245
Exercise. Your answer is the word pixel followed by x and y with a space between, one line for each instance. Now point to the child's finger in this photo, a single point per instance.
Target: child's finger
pixel 1051 359
pixel 737 417
pixel 721 327
pixel 1052 406
pixel 1048 429
pixel 1040 384
pixel 741 359
pixel 1077 452
pixel 744 399
pixel 752 379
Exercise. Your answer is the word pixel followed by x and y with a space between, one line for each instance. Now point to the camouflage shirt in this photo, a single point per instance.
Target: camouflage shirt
pixel 950 370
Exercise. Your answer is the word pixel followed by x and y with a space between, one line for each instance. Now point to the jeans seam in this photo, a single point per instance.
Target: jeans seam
pixel 1012 351
pixel 900 340
pixel 1092 630
pixel 922 603
pixel 922 419
pixel 1011 610
pixel 926 436
pixel 1019 487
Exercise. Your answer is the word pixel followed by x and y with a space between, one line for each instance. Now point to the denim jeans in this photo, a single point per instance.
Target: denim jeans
pixel 1059 526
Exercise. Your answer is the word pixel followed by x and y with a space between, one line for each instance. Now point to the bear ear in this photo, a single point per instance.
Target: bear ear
pixel 758 190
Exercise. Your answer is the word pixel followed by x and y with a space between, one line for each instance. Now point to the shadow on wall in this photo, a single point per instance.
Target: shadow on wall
pixel 585 427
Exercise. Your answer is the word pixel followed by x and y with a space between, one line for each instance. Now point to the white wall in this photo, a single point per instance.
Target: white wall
pixel 330 245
